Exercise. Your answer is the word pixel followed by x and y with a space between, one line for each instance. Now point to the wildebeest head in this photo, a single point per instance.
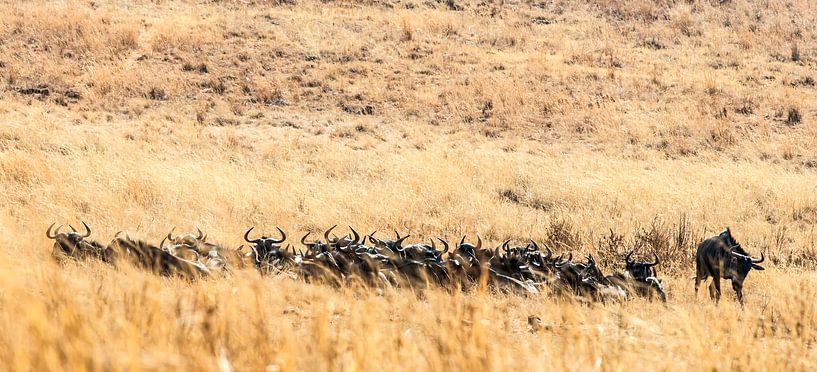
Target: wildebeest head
pixel 541 261
pixel 393 245
pixel 188 239
pixel 741 263
pixel 638 269
pixel 592 269
pixel 468 249
pixel 512 263
pixel 265 248
pixel 424 251
pixel 342 242
pixel 74 244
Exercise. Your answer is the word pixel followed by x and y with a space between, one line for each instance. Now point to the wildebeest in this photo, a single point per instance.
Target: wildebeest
pixel 640 278
pixel 187 239
pixel 77 246
pixel 152 258
pixel 722 257
pixel 196 248
pixel 267 252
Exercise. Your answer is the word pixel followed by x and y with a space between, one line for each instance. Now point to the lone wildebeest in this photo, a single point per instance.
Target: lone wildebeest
pixel 722 257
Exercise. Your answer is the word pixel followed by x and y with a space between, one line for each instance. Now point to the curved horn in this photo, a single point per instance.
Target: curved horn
pixel 48 232
pixel 479 243
pixel 326 234
pixel 170 234
pixel 534 245
pixel 433 246
pixel 656 262
pixel 373 239
pixel 462 241
pixel 246 236
pixel 127 236
pixel 283 236
pixel 87 230
pixel 627 258
pixel 399 242
pixel 303 239
pixel 72 228
pixel 356 235
pixel 201 234
pixel 445 244
pixel 162 243
pixel 550 253
pixel 397 234
pixel 505 245
pixel 762 258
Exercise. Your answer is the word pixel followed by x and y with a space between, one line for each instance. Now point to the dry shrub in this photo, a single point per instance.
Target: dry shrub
pixel 265 92
pixel 795 53
pixel 76 33
pixel 634 10
pixel 563 236
pixel 675 244
pixel 444 26
pixel 407 29
pixel 19 171
pixel 793 116
pixel 686 22
pixel 198 34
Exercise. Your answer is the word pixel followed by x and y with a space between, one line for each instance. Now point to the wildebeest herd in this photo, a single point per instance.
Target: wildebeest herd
pixel 389 262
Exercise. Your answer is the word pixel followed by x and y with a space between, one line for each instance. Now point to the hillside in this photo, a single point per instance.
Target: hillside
pixel 596 126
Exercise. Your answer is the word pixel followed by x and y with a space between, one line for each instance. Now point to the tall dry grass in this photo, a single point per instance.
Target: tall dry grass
pixel 596 126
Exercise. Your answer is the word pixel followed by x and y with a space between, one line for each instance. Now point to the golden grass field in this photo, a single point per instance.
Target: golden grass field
pixel 563 121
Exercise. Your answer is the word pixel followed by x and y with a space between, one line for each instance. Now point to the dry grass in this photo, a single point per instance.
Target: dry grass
pixel 662 121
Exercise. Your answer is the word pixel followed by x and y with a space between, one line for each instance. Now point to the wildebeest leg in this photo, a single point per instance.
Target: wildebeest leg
pixel 698 280
pixel 738 291
pixel 716 281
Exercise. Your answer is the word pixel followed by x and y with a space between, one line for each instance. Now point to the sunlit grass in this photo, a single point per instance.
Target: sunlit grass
pixel 566 123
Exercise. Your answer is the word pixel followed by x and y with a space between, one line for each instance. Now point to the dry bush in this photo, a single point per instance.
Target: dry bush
pixel 76 34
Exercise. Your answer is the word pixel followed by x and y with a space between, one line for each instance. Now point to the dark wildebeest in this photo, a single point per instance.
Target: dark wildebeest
pixel 394 246
pixel 722 257
pixel 196 248
pixel 75 245
pixel 267 252
pixel 640 278
pixel 189 240
pixel 595 285
pixel 152 258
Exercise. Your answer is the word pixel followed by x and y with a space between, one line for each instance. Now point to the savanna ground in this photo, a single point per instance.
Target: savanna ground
pixel 597 126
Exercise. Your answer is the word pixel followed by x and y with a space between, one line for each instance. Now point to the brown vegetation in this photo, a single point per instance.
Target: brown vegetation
pixel 597 125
